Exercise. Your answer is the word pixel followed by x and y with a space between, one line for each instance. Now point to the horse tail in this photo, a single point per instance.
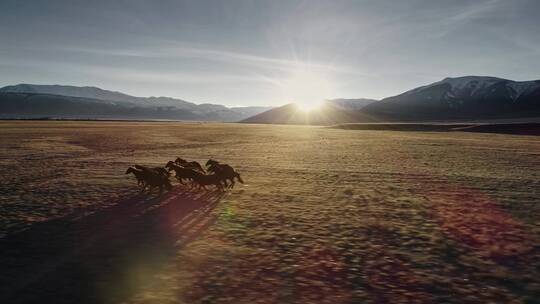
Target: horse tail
pixel 239 178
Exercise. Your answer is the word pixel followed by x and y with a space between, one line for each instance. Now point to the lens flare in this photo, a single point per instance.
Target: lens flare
pixel 308 106
pixel 307 88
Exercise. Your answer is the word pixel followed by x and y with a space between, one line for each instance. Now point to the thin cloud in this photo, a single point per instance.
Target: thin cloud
pixel 476 10
pixel 173 52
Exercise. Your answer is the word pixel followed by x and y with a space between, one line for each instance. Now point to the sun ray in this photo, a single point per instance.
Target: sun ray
pixel 308 106
pixel 307 88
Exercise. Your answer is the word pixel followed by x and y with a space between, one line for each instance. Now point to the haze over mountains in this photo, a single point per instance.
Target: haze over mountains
pixel 28 101
pixel 451 99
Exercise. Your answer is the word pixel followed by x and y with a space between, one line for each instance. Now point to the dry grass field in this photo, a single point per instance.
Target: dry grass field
pixel 325 216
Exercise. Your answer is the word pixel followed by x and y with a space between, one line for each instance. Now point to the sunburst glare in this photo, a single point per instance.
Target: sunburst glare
pixel 307 88
pixel 308 106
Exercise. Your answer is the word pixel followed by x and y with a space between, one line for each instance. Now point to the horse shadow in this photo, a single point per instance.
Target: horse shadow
pixel 105 256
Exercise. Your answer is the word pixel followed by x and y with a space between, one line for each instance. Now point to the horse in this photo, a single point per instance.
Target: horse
pixel 192 164
pixel 155 179
pixel 211 162
pixel 181 173
pixel 138 175
pixel 151 178
pixel 162 171
pixel 203 180
pixel 158 170
pixel 226 172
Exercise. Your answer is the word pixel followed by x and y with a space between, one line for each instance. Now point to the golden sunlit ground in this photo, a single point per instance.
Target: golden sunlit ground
pixel 325 216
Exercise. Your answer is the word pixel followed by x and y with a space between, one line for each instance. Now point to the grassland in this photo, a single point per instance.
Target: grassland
pixel 326 216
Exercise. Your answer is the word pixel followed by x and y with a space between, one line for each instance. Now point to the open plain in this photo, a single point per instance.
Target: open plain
pixel 325 216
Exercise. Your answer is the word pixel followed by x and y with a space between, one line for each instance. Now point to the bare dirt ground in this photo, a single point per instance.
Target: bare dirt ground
pixel 325 216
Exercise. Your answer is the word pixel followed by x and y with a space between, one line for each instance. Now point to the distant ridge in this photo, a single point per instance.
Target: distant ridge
pixel 469 97
pixel 61 100
pixel 451 99
pixel 351 104
pixel 37 105
pixel 327 114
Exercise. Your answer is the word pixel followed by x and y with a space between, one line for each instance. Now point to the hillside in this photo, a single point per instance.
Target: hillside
pixel 28 100
pixel 32 105
pixel 353 104
pixel 451 99
pixel 325 115
pixel 469 97
pixel 99 94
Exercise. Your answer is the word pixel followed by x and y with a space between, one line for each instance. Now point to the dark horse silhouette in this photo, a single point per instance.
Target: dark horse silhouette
pixel 202 180
pixel 139 175
pixel 182 173
pixel 192 164
pixel 88 259
pixel 151 177
pixel 226 172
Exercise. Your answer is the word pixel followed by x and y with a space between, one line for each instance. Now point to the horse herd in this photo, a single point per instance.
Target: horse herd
pixel 191 173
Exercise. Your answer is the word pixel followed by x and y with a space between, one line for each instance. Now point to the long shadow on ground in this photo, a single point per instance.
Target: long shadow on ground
pixel 103 257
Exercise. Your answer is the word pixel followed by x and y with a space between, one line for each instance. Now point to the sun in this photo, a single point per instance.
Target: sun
pixel 308 106
pixel 307 88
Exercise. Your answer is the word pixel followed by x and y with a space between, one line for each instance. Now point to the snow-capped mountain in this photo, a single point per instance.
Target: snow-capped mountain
pixel 470 86
pixel 73 97
pixel 468 97
pixel 99 94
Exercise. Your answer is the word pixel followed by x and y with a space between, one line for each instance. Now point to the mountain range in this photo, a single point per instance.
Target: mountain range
pixel 469 97
pixel 59 101
pixel 451 99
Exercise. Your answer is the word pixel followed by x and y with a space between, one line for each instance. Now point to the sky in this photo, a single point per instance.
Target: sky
pixel 241 53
